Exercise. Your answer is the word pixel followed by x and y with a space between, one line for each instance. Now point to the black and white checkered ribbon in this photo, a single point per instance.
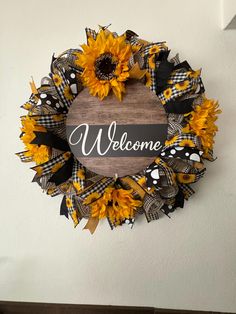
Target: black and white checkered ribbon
pixel 98 187
pixel 46 168
pixel 77 166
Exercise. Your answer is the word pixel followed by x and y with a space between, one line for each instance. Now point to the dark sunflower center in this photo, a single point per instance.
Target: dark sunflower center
pixel 105 67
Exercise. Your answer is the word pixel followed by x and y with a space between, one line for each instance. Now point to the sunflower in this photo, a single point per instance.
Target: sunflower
pixel 187 143
pixel 92 198
pixel 171 141
pixel 66 155
pixel 39 153
pixel 80 174
pixel 69 202
pixel 39 170
pixel 105 64
pixel 154 49
pixel 74 216
pixel 151 62
pixel 68 93
pixel 65 187
pixel 202 123
pixel 27 106
pixel 27 138
pixel 167 93
pixel 195 74
pixel 77 186
pixel 182 85
pixel 56 167
pixel 57 79
pixel 116 204
pixel 30 125
pixel 186 177
pixel 148 79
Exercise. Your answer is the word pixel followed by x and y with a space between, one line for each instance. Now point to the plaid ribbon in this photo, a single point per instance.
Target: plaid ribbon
pixel 179 165
pixel 174 124
pixel 175 59
pixel 62 88
pixel 98 187
pixel 210 155
pixel 46 168
pixel 49 121
pixel 174 93
pixel 179 76
pixel 43 181
pixel 72 209
pixel 84 210
pixel 181 137
pixel 128 183
pixel 90 33
pixel 134 40
pixel 53 191
pixel 23 157
pixel 137 177
pixel 152 203
pixel 64 67
pixel 187 190
pixel 77 172
pixel 167 171
pixel 169 192
pixel 145 52
pixel 32 102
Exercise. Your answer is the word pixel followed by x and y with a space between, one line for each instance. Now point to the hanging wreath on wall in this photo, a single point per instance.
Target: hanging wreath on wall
pixel 119 129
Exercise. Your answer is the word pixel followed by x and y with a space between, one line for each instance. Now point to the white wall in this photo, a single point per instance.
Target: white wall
pixel 186 262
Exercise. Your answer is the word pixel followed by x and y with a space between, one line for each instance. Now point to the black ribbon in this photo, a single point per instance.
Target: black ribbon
pixel 179 202
pixel 179 106
pixel 129 34
pixel 182 65
pixel 63 208
pixel 64 173
pixel 51 140
pixel 163 72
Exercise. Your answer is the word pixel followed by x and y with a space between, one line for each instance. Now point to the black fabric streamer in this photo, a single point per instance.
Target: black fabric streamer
pixel 179 106
pixel 64 173
pixel 63 208
pixel 53 59
pixel 163 71
pixel 51 140
pixel 184 65
pixel 179 200
pixel 129 34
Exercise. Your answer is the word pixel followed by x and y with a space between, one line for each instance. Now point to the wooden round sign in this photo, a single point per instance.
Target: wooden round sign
pixel 117 138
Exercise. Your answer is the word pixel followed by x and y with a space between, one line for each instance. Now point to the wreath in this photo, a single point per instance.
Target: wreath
pixel 104 66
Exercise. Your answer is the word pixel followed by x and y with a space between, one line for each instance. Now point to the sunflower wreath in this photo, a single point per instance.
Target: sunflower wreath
pixel 104 65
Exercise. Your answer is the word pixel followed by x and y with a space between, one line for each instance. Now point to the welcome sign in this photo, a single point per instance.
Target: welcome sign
pixel 116 140
pixel 112 137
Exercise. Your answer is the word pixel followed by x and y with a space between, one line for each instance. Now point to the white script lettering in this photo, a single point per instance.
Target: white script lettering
pixel 80 134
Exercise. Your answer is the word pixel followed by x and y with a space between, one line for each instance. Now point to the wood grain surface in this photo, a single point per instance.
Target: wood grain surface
pixel 139 106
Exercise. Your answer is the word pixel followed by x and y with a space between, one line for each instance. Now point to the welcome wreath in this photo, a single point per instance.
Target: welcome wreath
pixel 118 129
